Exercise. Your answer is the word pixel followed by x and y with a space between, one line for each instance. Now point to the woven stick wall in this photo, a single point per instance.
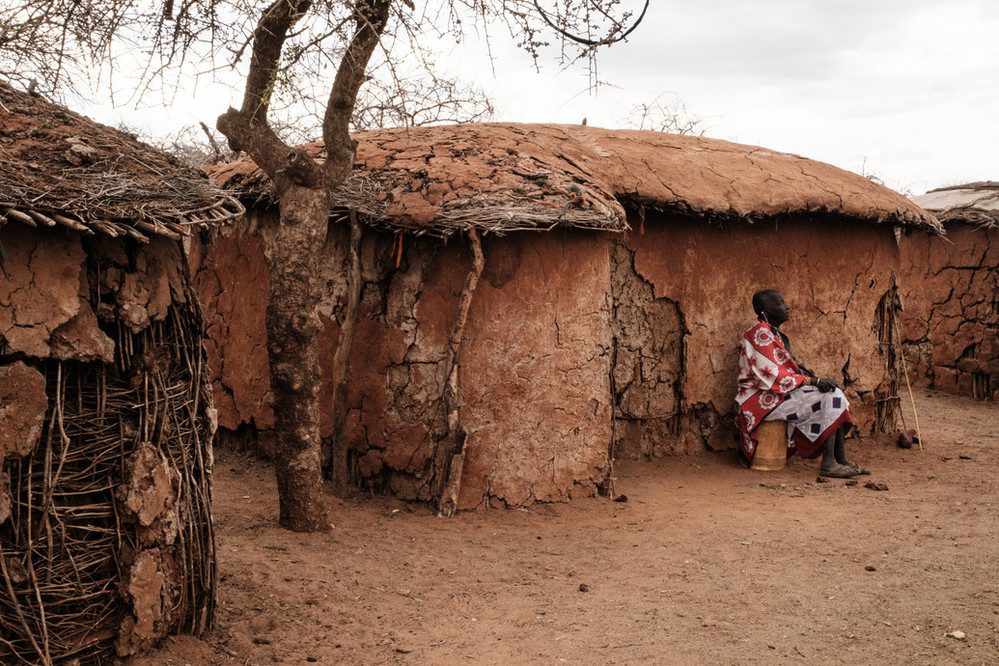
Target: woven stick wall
pixel 70 552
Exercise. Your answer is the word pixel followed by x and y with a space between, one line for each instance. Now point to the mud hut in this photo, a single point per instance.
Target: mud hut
pixel 106 418
pixel 609 331
pixel 950 318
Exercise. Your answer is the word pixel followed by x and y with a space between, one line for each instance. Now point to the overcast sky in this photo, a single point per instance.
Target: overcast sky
pixel 905 90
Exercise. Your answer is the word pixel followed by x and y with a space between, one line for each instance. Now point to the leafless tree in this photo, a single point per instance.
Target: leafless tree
pixel 285 41
pixel 415 102
pixel 665 113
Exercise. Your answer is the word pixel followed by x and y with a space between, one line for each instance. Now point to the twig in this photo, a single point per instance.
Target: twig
pixel 609 39
pixel 211 140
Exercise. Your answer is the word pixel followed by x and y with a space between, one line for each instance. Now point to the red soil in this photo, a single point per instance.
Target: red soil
pixel 706 562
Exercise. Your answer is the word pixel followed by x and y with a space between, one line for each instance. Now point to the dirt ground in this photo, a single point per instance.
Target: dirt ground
pixel 706 562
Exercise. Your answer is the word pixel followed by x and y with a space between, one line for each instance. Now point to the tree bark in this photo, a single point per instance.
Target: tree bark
pixel 293 327
pixel 371 17
pixel 338 448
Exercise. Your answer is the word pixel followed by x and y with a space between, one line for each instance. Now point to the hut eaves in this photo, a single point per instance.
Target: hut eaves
pixel 58 168
pixel 971 203
pixel 506 177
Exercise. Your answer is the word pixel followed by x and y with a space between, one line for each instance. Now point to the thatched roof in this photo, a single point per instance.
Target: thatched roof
pixel 60 168
pixel 971 203
pixel 504 177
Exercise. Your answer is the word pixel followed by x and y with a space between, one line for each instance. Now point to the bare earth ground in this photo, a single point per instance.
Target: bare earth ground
pixel 706 562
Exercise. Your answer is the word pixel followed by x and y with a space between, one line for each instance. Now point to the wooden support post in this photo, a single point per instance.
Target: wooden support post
pixel 453 457
pixel 337 470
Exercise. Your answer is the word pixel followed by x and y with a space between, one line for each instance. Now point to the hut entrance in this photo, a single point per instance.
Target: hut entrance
pixel 647 363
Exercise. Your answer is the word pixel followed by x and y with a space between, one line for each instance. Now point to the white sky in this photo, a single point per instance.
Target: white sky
pixel 902 89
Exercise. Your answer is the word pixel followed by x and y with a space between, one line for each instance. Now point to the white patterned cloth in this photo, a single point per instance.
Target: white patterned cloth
pixel 811 413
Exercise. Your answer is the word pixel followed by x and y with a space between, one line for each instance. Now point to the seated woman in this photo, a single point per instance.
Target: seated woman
pixel 774 385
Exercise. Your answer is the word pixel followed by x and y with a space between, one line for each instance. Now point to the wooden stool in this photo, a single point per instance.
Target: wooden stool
pixel 771 450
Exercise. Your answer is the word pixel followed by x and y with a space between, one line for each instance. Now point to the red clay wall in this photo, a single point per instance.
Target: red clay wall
pixel 950 317
pixel 555 317
pixel 535 373
pixel 834 274
pixel 233 295
pixel 536 376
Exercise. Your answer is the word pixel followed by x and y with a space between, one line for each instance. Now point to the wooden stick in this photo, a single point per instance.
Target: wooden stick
pixel 134 233
pixel 211 140
pixel 70 223
pixel 41 217
pixel 106 227
pixel 23 218
pixel 338 472
pixel 157 229
pixel 905 373
pixel 453 458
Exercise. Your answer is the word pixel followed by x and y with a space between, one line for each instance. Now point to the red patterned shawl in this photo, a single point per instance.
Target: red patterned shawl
pixel 767 372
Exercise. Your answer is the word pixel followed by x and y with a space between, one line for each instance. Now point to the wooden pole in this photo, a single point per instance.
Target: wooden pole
pixel 337 470
pixel 453 458
pixel 905 373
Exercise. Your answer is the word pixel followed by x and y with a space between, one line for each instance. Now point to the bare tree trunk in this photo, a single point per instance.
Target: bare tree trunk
pixel 339 450
pixel 293 326
pixel 304 189
pixel 452 457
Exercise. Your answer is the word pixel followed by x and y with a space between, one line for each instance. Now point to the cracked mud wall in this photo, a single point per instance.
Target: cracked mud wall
pixel 51 302
pixel 231 272
pixel 950 318
pixel 534 367
pixel 231 280
pixel 574 341
pixel 90 330
pixel 395 412
pixel 647 361
pixel 536 373
pixel 40 287
pixel 833 274
pixel 535 370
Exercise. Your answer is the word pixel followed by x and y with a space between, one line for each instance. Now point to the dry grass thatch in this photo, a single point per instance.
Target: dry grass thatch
pixel 972 203
pixel 505 177
pixel 58 168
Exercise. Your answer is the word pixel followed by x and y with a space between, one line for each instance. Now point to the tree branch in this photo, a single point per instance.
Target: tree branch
pixel 372 16
pixel 268 41
pixel 611 38
pixel 278 160
pixel 247 129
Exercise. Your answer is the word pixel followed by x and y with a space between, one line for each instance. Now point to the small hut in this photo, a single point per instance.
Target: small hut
pixel 106 419
pixel 618 271
pixel 950 320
